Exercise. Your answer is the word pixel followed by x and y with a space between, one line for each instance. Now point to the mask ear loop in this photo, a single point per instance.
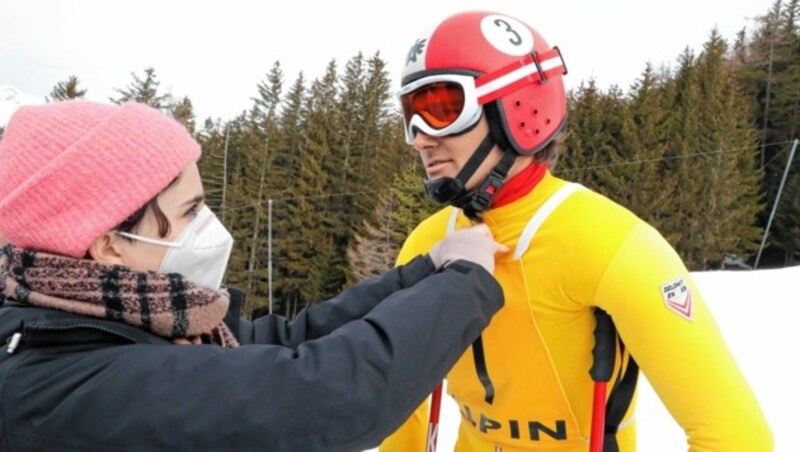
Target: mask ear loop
pixel 201 216
pixel 141 238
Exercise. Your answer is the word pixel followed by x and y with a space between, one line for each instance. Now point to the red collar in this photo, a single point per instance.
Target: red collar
pixel 519 185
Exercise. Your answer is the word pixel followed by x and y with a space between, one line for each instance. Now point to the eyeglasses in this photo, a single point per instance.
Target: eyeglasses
pixel 447 104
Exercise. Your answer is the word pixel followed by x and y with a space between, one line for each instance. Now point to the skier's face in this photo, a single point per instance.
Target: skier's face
pixel 445 156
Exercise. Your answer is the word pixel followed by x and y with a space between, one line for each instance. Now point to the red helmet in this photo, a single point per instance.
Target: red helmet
pixel 505 61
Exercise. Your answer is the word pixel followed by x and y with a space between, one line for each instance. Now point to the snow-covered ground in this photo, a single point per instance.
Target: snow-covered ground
pixel 11 99
pixel 758 312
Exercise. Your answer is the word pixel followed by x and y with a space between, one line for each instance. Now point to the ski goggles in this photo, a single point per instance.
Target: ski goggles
pixel 439 105
pixel 448 104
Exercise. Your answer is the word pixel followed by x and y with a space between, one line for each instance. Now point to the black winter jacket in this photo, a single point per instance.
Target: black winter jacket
pixel 340 377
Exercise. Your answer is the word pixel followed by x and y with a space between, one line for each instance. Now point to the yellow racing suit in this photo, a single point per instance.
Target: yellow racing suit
pixel 574 250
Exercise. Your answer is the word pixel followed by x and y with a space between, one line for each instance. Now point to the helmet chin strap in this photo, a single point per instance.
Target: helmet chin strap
pixel 482 198
pixel 449 190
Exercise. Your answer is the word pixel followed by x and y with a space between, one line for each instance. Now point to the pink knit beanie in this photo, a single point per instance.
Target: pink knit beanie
pixel 70 171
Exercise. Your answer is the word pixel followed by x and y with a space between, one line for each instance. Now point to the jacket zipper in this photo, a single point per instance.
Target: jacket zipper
pixel 13 342
pixel 16 338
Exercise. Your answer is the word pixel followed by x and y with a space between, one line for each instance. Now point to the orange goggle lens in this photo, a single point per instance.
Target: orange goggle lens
pixel 438 103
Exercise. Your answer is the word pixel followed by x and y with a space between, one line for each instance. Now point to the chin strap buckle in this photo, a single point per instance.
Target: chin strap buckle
pixel 484 195
pixel 482 198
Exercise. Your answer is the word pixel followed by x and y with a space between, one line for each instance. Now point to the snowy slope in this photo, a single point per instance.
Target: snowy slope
pixel 11 98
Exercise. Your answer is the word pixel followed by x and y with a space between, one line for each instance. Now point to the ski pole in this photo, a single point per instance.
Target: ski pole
pixel 602 368
pixel 433 418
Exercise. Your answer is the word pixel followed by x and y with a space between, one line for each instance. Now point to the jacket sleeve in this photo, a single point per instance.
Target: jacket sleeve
pixel 354 303
pixel 413 434
pixel 344 391
pixel 679 346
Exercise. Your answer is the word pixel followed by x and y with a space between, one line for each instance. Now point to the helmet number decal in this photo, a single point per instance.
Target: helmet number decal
pixel 516 40
pixel 507 35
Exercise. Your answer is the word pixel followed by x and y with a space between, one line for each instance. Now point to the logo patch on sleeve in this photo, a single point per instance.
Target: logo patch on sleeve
pixel 678 298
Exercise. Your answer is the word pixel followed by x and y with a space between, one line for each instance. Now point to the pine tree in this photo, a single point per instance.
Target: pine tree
pixel 585 146
pixel 66 90
pixel 397 212
pixel 248 184
pixel 263 137
pixel 785 95
pixel 786 102
pixel 371 144
pixel 351 117
pixel 790 15
pixel 347 157
pixel 183 111
pixel 410 203
pixel 269 92
pixel 732 174
pixel 636 177
pixel 686 224
pixel 770 76
pixel 289 273
pixel 740 52
pixel 786 229
pixel 768 57
pixel 373 251
pixel 289 136
pixel 236 208
pixel 713 157
pixel 145 90
pixel 317 227
pixel 213 163
pixel 376 158
pixel 326 138
pixel 612 147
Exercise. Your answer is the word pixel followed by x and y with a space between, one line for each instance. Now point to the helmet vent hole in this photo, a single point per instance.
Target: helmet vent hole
pixel 522 125
pixel 537 132
pixel 547 121
pixel 535 112
pixel 517 103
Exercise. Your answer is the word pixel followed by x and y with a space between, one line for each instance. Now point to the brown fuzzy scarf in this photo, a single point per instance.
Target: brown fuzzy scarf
pixel 165 304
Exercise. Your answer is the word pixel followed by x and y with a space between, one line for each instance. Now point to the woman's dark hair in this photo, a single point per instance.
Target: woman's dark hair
pixel 135 218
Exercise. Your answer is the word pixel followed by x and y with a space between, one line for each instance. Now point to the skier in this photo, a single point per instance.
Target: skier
pixel 484 104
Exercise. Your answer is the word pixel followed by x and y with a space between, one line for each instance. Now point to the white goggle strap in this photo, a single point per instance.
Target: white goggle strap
pixel 514 76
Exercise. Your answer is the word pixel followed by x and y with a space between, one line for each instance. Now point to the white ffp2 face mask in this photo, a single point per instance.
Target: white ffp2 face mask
pixel 200 252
